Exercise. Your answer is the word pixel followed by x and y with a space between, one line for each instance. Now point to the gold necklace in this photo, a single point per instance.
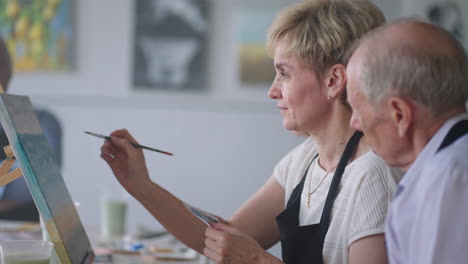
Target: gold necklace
pixel 309 193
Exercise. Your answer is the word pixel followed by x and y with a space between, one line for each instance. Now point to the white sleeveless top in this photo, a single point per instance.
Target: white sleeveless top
pixel 365 191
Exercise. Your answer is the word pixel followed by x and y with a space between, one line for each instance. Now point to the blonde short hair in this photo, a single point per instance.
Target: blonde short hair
pixel 320 32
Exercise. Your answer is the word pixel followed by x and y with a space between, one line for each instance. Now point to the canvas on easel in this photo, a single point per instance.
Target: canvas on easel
pixel 44 180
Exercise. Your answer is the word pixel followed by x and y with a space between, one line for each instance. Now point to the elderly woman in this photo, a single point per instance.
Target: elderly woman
pixel 327 199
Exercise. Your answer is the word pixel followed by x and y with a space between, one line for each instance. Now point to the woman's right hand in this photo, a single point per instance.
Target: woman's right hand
pixel 126 161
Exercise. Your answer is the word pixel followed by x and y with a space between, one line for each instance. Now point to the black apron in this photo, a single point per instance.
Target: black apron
pixel 304 244
pixel 456 132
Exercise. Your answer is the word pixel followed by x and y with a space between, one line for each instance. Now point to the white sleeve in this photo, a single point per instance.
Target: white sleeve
pixel 292 162
pixel 281 169
pixel 444 229
pixel 373 196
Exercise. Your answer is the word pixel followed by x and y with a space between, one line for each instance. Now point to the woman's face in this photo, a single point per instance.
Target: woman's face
pixel 298 92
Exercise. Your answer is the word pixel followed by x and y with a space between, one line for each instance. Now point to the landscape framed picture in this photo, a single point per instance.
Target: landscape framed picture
pixel 255 65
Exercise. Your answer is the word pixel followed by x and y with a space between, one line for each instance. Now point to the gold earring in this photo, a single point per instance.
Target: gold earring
pixel 330 99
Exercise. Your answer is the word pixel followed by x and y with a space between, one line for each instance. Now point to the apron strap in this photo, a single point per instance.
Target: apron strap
pixel 457 131
pixel 296 194
pixel 333 192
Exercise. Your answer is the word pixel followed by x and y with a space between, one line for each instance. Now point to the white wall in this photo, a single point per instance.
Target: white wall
pixel 226 140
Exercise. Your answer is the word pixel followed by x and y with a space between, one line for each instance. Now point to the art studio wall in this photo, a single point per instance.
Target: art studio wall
pixel 226 136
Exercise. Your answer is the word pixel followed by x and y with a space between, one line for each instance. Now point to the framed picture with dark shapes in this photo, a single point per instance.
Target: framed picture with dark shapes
pixel 170 45
pixel 449 14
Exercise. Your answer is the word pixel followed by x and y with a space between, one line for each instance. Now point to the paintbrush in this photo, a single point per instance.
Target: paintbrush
pixel 133 143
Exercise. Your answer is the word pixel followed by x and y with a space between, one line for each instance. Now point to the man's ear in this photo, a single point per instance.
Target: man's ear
pixel 401 114
pixel 335 80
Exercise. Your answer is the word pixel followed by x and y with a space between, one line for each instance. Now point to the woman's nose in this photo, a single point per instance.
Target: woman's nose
pixel 274 92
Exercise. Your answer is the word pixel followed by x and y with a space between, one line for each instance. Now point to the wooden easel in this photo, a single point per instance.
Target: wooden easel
pixel 5 176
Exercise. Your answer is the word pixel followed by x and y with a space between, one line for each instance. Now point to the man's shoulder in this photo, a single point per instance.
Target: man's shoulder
pixel 455 154
pixel 448 165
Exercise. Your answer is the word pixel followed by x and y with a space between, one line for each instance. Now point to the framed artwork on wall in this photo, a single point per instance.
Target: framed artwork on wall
pixel 449 14
pixel 39 34
pixel 255 66
pixel 170 44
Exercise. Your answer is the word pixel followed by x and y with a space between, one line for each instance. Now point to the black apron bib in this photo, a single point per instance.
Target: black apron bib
pixel 456 132
pixel 304 244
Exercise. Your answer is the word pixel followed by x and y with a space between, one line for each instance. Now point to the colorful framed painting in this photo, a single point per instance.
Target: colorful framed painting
pixel 170 44
pixel 39 34
pixel 44 180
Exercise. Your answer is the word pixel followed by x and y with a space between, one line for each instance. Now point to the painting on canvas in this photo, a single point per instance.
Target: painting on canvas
pixel 44 180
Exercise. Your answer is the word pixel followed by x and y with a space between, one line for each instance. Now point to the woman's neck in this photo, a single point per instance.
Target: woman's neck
pixel 331 137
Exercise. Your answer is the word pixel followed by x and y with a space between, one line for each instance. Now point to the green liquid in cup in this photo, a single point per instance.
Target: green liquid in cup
pixel 113 218
pixel 25 260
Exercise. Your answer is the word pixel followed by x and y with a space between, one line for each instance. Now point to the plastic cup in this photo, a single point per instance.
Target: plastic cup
pixel 45 237
pixel 25 252
pixel 113 215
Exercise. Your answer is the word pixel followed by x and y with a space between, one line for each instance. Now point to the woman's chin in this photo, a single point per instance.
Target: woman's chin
pixel 290 127
pixel 300 133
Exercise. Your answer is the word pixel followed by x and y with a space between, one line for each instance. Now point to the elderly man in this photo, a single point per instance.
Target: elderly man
pixel 408 85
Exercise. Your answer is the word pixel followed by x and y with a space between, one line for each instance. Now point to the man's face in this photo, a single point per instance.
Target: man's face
pixel 374 121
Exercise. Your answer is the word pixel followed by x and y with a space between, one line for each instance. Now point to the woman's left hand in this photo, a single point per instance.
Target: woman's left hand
pixel 226 244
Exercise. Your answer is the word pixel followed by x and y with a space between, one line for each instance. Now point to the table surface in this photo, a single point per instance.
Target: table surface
pixel 10 230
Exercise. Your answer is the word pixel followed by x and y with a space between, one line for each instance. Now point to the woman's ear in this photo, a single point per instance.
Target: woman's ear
pixel 335 80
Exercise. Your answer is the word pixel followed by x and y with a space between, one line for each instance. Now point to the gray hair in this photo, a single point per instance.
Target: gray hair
pixel 439 81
